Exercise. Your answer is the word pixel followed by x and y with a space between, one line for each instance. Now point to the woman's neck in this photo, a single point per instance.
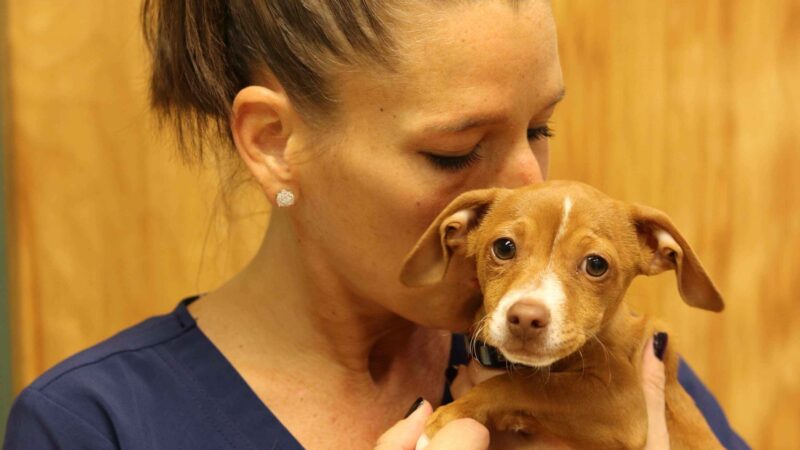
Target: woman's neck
pixel 293 307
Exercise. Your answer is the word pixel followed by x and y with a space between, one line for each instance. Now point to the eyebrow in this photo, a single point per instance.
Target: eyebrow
pixel 483 119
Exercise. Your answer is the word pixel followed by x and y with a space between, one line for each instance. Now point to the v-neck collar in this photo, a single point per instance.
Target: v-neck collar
pixel 235 400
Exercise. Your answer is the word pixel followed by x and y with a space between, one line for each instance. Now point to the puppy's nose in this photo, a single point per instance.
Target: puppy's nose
pixel 527 317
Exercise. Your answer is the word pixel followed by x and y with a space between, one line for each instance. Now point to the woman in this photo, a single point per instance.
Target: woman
pixel 359 120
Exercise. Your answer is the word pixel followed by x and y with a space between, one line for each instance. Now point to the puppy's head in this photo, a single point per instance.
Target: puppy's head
pixel 553 262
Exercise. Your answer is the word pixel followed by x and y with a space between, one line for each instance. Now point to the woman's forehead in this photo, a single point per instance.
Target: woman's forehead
pixel 475 63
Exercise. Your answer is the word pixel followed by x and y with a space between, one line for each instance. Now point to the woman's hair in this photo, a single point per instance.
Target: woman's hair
pixel 205 51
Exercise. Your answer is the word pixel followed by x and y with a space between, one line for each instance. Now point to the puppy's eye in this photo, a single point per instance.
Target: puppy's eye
pixel 595 265
pixel 504 248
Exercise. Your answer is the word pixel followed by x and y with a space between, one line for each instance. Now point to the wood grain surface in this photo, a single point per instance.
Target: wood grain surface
pixel 691 107
pixel 109 227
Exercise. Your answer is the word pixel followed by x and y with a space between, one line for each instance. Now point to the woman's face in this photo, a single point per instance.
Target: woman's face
pixel 468 108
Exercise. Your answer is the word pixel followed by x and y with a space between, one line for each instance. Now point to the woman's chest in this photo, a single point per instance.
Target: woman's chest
pixel 334 413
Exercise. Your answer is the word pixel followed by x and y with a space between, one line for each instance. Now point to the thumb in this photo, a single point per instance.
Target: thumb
pixel 653 382
pixel 405 433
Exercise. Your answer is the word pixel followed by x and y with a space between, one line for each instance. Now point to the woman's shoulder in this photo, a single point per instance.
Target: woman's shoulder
pixel 112 358
pixel 109 393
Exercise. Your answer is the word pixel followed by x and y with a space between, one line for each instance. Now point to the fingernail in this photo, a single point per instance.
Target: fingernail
pixel 660 340
pixel 417 403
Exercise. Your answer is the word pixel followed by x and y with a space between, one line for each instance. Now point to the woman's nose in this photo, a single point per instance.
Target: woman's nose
pixel 521 166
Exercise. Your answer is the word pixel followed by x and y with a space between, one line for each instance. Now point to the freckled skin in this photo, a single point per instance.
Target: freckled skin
pixel 321 300
pixel 375 192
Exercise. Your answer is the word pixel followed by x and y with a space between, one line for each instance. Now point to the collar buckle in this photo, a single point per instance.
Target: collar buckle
pixel 488 356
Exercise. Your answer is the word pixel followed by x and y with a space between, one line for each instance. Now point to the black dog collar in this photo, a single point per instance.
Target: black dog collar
pixel 488 356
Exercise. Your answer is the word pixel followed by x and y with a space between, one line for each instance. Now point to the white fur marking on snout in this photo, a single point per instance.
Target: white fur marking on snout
pixel 546 289
pixel 549 291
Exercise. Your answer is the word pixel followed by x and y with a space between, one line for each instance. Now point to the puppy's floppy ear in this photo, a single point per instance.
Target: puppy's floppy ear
pixel 427 263
pixel 663 248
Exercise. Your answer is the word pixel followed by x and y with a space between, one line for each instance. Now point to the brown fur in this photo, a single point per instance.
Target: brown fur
pixel 587 389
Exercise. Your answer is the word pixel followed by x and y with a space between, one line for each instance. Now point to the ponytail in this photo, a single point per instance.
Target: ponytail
pixel 205 51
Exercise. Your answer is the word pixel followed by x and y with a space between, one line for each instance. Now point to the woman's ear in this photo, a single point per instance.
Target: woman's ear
pixel 262 123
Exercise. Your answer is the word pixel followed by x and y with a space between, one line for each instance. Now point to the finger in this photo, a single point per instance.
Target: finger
pixel 461 434
pixel 653 382
pixel 474 371
pixel 478 374
pixel 405 433
pixel 462 382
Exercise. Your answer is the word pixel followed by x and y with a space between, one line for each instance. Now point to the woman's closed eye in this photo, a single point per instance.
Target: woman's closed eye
pixel 541 132
pixel 460 162
pixel 455 163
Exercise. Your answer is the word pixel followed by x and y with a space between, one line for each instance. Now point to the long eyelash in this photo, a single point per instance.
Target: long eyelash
pixel 540 133
pixel 455 163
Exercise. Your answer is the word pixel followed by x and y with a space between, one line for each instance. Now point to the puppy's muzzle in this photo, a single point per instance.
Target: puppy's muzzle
pixel 527 319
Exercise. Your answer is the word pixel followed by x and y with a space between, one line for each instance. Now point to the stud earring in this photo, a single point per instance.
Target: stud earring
pixel 284 198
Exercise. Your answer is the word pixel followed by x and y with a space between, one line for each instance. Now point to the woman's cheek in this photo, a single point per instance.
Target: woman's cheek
pixel 543 158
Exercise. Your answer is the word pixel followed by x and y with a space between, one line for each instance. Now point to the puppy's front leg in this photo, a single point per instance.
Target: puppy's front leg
pixel 577 407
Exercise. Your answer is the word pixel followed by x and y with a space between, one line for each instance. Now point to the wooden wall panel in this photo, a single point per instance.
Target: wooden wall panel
pixel 5 335
pixel 688 106
pixel 693 107
pixel 109 227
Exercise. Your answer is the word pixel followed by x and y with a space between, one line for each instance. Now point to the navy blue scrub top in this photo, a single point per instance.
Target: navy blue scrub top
pixel 162 384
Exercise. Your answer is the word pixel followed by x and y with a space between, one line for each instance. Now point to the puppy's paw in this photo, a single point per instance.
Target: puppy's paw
pixel 441 417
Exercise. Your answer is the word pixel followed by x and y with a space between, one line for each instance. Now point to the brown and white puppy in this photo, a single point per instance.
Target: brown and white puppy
pixel 553 261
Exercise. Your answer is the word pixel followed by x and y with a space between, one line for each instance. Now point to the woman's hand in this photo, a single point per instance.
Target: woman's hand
pixel 653 381
pixel 461 434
